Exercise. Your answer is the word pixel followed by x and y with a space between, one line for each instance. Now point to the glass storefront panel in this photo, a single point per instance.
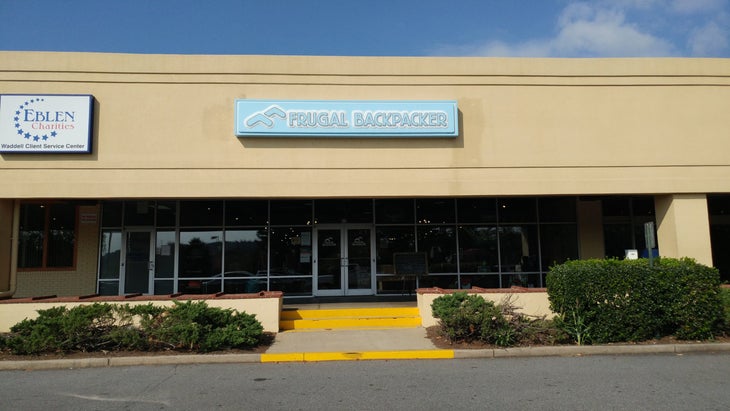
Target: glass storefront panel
pixel 166 213
pixel 110 254
pixel 519 248
pixel 111 214
pixel 483 281
pixel 247 213
pixel 517 210
pixel 164 287
pixel 558 244
pixel 391 240
pixel 301 286
pixel 246 252
pixel 439 244
pixel 165 254
pixel 32 229
pixel 201 253
pixel 435 211
pixel 478 251
pixel 291 212
pixel 291 251
pixel 477 210
pixel 201 213
pixel 441 281
pixel 394 211
pixel 139 213
pixel 557 209
pixel 108 287
pixel 343 211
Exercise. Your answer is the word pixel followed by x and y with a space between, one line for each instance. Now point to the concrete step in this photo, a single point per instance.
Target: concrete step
pixel 350 318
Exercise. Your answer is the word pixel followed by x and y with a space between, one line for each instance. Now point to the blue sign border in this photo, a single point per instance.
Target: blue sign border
pixel 346 118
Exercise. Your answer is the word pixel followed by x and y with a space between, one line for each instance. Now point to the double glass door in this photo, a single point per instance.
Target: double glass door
pixel 344 260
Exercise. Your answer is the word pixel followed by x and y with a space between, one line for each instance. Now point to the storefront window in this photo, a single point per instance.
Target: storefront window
pixel 247 213
pixel 201 257
pixel 291 212
pixel 519 248
pixel 47 236
pixel 291 251
pixel 439 244
pixel 201 213
pixel 343 211
pixel 165 254
pixel 110 252
pixel 139 213
pixel 245 253
pixel 391 240
pixel 435 211
pixel 477 210
pixel 517 210
pixel 394 211
pixel 478 249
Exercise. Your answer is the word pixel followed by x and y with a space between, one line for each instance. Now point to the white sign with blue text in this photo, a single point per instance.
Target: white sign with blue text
pixel 46 123
pixel 334 118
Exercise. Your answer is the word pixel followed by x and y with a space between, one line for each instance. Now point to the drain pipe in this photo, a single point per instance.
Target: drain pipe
pixel 13 253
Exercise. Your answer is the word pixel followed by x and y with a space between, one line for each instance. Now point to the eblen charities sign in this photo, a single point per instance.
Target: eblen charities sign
pixel 334 118
pixel 46 123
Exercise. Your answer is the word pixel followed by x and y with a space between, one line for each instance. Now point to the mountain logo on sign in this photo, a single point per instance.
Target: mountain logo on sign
pixel 265 117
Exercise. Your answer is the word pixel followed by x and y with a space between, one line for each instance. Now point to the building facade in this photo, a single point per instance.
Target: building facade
pixel 466 171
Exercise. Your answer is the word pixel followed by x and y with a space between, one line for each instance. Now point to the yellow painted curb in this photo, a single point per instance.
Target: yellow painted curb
pixel 358 356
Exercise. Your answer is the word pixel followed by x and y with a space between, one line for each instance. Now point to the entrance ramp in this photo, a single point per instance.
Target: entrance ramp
pixel 349 316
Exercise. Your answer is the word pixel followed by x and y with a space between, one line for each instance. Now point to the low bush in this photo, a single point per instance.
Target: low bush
pixel 185 326
pixel 469 317
pixel 601 301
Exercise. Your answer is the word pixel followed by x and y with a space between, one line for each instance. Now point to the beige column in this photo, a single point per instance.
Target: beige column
pixel 590 229
pixel 683 226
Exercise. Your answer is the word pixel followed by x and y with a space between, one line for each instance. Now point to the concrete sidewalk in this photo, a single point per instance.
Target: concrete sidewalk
pixel 352 345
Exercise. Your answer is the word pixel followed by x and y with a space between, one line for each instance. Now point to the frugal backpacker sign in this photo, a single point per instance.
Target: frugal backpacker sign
pixel 332 118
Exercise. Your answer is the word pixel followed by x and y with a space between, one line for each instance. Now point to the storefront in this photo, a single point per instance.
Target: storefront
pixel 127 174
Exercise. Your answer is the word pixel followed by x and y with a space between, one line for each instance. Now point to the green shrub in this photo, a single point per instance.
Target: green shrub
pixel 81 328
pixel 469 317
pixel 725 297
pixel 93 327
pixel 604 301
pixel 195 326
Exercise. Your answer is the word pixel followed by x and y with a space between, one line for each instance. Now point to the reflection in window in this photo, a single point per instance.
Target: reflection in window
pixel 165 254
pixel 200 253
pixel 439 244
pixel 518 246
pixel 390 240
pixel 478 249
pixel 110 254
pixel 245 253
pixel 291 251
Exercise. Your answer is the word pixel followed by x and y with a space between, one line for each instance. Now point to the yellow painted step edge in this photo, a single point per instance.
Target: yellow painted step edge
pixel 351 323
pixel 349 312
pixel 358 356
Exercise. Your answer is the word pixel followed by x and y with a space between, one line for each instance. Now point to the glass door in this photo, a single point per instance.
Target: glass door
pixel 138 263
pixel 343 260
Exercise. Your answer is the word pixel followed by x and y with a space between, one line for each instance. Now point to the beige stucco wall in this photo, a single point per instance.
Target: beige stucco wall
pixel 164 127
pixel 267 310
pixel 528 303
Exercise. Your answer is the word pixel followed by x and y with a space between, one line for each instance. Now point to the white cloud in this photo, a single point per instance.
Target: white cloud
pixel 709 40
pixel 585 30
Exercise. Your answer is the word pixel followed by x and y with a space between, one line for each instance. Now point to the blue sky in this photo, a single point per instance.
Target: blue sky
pixel 529 28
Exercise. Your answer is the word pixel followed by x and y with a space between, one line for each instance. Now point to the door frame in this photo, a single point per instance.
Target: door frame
pixel 344 290
pixel 151 260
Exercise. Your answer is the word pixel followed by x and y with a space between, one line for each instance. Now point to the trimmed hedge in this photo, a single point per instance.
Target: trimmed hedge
pixel 603 301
